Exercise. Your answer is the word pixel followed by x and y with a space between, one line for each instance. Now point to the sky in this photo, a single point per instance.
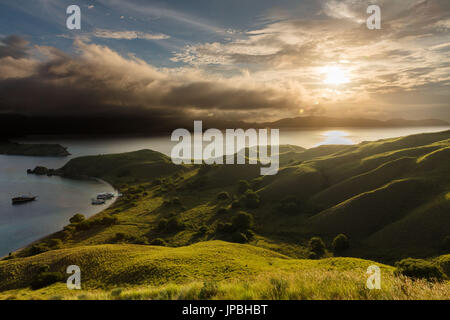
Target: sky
pixel 248 60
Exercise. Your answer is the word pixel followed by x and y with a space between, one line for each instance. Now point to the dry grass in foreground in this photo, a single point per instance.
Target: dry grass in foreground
pixel 307 285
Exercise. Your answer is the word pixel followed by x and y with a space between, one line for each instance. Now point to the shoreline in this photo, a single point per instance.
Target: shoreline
pixel 108 205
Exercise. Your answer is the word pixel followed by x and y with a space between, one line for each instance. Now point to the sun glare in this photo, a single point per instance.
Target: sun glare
pixel 335 75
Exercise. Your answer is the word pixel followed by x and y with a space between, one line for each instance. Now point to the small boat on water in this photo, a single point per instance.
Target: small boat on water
pixel 98 201
pixel 105 196
pixel 23 199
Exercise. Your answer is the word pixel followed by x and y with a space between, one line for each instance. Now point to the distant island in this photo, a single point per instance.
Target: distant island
pixel 27 149
pixel 13 125
pixel 316 121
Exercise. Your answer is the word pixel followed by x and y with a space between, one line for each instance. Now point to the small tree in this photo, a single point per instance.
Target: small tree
pixel 243 186
pixel 418 268
pixel 45 279
pixel 317 246
pixel 251 199
pixel 174 224
pixel 340 243
pixel 77 218
pixel 242 221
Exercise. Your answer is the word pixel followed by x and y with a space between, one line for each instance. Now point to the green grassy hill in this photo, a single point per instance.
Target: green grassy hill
pixel 131 167
pixel 390 197
pixel 207 270
pixel 373 192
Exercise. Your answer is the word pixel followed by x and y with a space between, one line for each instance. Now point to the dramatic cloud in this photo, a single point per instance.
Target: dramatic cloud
pixel 14 47
pixel 100 81
pixel 325 62
pixel 407 54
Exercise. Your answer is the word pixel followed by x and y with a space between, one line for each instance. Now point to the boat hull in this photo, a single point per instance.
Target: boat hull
pixel 22 200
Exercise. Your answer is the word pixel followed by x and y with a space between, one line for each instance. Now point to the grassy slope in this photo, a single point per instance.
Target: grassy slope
pixel 390 196
pixel 131 167
pixel 373 191
pixel 239 271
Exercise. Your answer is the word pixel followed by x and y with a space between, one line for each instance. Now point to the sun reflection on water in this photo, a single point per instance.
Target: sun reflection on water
pixel 336 137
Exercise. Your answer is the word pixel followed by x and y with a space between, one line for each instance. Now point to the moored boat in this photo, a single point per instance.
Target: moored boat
pixel 98 201
pixel 23 199
pixel 105 196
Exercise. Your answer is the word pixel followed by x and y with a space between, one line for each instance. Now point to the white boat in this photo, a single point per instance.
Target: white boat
pixel 98 201
pixel 105 196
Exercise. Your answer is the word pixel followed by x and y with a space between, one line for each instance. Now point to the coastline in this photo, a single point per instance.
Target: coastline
pixel 108 205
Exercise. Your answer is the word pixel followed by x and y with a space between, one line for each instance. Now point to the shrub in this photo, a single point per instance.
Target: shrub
pixel 55 243
pixel 242 221
pixel 120 236
pixel 45 279
pixel 77 218
pixel 223 196
pixel 317 246
pixel 340 243
pixel 208 291
pixel 243 186
pixel 251 199
pixel 174 224
pixel 158 242
pixel 419 269
pixel 108 221
pixel 38 248
pixel 83 225
pixel 162 224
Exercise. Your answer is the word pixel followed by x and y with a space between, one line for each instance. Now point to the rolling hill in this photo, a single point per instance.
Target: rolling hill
pixel 390 197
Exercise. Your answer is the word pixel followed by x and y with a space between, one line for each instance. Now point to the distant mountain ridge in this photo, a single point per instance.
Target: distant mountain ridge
pixel 20 125
pixel 315 121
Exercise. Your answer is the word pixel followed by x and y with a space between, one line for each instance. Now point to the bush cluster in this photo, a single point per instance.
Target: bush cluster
pixel 316 247
pixel 171 225
pixel 44 278
pixel 239 229
pixel 340 244
pixel 419 269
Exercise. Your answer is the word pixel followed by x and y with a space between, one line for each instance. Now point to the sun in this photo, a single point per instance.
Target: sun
pixel 335 75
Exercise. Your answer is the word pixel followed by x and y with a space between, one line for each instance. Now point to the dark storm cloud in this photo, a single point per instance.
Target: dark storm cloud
pixel 99 81
pixel 13 46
